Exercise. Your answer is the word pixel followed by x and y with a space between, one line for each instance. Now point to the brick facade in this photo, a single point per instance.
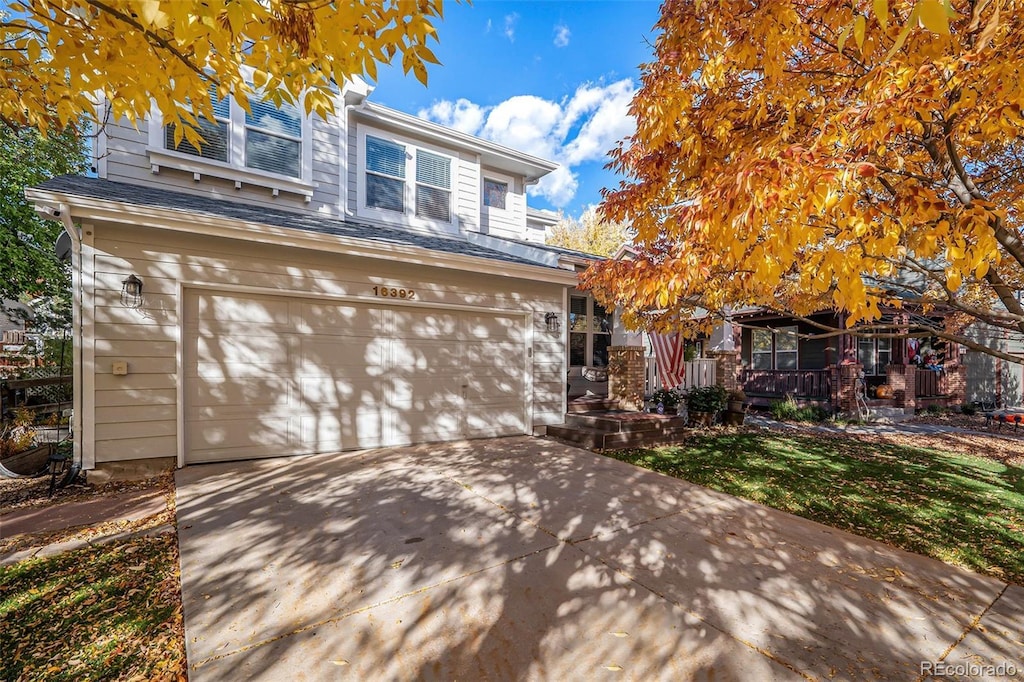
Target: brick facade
pixel 627 376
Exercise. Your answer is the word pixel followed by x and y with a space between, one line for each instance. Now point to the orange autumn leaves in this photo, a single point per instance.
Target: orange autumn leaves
pixel 807 156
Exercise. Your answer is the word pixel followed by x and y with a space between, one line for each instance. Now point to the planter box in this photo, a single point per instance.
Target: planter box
pixel 28 462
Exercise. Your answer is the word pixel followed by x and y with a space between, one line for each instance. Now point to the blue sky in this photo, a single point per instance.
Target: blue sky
pixel 549 77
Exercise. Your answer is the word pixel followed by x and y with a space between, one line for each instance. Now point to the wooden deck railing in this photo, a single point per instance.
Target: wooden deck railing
pixel 928 383
pixel 800 383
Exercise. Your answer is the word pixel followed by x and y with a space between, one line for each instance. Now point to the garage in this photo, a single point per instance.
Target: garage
pixel 269 375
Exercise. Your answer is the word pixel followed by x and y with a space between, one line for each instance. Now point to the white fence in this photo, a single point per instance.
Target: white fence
pixel 699 372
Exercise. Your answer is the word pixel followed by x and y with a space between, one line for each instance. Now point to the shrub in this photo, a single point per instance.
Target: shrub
pixel 706 399
pixel 669 397
pixel 968 409
pixel 789 410
pixel 19 434
pixel 934 409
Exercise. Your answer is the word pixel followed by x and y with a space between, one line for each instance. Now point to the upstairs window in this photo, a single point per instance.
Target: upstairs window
pixel 385 174
pixel 267 138
pixel 495 193
pixel 215 133
pixel 433 186
pixel 407 180
pixel 273 138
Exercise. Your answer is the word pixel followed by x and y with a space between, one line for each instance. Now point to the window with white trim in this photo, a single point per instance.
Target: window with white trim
pixel 778 349
pixel 874 354
pixel 268 138
pixel 402 178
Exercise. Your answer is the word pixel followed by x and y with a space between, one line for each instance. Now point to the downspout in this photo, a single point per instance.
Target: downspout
pixel 63 214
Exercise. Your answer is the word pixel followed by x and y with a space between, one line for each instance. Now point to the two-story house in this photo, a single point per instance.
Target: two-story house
pixel 299 285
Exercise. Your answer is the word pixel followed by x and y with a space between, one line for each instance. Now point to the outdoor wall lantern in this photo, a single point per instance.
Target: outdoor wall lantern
pixel 131 292
pixel 552 321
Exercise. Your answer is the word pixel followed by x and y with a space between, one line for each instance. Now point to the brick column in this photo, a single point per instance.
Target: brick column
pixel 955 380
pixel 627 376
pixel 727 369
pixel 903 380
pixel 843 389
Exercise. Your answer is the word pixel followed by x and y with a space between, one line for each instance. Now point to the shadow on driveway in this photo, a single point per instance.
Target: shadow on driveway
pixel 522 558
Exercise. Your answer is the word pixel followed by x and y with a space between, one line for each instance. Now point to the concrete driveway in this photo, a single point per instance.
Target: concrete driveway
pixel 521 558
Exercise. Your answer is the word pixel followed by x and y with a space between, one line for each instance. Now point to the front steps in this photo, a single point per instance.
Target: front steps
pixel 607 430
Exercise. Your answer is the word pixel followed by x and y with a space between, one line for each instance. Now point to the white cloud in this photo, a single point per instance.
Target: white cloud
pixel 582 128
pixel 562 34
pixel 510 26
pixel 489 26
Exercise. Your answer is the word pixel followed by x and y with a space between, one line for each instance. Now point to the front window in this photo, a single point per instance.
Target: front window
pixel 778 349
pixel 760 349
pixel 874 355
pixel 590 332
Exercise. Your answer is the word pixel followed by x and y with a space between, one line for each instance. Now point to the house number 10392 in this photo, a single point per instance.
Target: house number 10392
pixel 392 292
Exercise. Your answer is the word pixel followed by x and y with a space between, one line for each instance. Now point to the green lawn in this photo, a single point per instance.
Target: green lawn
pixel 102 613
pixel 963 510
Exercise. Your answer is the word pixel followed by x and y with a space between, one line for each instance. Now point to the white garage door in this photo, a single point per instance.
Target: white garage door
pixel 267 376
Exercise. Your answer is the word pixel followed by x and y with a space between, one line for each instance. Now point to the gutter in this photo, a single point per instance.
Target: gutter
pixel 62 214
pixel 233 228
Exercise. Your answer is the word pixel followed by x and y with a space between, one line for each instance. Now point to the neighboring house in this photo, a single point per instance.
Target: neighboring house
pixel 778 356
pixel 311 286
pixel 19 347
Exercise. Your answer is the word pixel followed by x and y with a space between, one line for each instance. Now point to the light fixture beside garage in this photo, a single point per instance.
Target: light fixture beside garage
pixel 552 321
pixel 131 292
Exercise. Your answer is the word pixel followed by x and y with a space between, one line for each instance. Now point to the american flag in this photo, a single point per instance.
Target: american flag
pixel 669 356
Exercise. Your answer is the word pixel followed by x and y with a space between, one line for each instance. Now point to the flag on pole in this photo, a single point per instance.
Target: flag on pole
pixel 670 357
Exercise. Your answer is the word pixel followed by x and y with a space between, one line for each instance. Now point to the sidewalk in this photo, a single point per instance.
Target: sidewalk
pixel 128 506
pixel 767 422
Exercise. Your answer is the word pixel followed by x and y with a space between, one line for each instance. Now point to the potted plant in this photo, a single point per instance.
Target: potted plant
pixel 704 403
pixel 665 400
pixel 736 399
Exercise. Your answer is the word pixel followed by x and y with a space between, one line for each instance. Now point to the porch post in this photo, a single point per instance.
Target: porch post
pixel 627 376
pixel 902 378
pixel 845 387
pixel 727 366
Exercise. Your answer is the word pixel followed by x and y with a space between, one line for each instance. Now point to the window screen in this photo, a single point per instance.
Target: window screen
pixel 273 138
pixel 385 174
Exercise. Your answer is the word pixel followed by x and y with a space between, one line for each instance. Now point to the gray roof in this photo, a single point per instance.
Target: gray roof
pixel 307 222
pixel 558 249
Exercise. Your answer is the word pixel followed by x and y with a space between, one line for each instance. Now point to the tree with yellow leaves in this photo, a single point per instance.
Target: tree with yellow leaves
pixel 589 234
pixel 826 155
pixel 58 55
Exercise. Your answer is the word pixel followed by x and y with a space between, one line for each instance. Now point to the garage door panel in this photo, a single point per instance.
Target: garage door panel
pixel 337 392
pixel 252 392
pixel 229 371
pixel 346 430
pixel 243 310
pixel 491 423
pixel 242 348
pixel 322 354
pixel 240 433
pixel 430 325
pixel 419 356
pixel 352 320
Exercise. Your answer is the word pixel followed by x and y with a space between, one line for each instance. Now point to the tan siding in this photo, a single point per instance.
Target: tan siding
pixel 147 338
pixel 468 193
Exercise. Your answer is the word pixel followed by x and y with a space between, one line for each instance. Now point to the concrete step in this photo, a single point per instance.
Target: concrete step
pixel 618 422
pixel 887 415
pixel 591 404
pixel 597 439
